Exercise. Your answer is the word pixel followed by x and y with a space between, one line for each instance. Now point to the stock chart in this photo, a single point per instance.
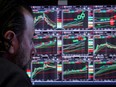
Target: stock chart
pixel 74 44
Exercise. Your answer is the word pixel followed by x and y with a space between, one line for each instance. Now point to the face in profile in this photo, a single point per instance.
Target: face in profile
pixel 26 47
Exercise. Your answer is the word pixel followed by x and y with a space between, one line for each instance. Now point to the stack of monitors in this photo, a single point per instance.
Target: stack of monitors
pixel 74 44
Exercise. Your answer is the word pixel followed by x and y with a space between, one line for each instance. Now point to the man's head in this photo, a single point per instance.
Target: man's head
pixel 16 32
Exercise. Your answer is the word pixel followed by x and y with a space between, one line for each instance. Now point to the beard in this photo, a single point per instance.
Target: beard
pixel 22 58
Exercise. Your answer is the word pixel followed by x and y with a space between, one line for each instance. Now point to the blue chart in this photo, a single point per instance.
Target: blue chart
pixel 75 70
pixel 44 70
pixel 105 45
pixel 45 44
pixel 75 44
pixel 105 18
pixel 105 70
pixel 75 19
pixel 45 19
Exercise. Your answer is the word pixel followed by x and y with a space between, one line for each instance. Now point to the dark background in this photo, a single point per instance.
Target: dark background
pixel 72 2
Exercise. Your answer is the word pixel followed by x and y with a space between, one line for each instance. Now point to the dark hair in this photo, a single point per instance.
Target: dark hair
pixel 12 18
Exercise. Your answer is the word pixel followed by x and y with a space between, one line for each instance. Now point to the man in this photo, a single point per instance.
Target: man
pixel 16 45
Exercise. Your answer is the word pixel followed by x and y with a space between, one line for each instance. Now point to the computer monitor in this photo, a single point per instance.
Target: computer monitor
pixel 75 45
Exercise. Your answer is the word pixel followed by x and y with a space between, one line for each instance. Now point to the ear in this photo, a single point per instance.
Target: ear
pixel 14 41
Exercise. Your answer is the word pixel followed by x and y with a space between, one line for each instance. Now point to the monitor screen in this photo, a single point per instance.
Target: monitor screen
pixel 75 45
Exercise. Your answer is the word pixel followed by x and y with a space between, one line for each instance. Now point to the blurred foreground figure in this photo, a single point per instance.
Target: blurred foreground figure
pixel 16 45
